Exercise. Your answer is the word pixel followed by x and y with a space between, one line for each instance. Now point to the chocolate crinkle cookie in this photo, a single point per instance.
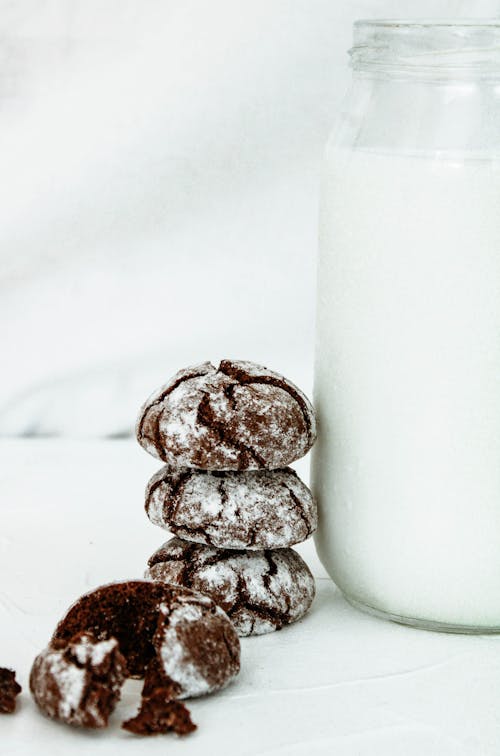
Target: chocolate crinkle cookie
pixel 9 689
pixel 254 509
pixel 191 639
pixel 78 681
pixel 260 591
pixel 237 416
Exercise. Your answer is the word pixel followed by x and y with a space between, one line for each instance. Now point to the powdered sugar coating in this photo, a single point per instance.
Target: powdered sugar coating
pixel 253 509
pixel 70 682
pixel 260 591
pixel 79 682
pixel 147 429
pixel 198 668
pixel 88 652
pixel 239 416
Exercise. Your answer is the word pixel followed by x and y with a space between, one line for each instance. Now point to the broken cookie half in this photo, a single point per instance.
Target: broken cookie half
pixel 178 640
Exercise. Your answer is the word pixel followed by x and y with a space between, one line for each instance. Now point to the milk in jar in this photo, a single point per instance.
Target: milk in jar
pixel 407 373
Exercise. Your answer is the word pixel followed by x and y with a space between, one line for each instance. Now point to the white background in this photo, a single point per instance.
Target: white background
pixel 159 167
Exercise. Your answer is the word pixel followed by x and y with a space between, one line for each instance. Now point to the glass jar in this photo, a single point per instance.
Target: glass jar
pixel 407 374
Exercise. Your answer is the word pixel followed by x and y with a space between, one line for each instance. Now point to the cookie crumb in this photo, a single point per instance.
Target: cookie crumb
pixel 160 714
pixel 9 689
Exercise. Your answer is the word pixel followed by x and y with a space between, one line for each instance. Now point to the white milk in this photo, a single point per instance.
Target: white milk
pixel 407 467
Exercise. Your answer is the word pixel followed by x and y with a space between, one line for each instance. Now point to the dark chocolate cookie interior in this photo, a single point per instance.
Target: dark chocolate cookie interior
pixel 127 611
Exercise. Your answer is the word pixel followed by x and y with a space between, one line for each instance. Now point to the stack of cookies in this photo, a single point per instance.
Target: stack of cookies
pixel 227 436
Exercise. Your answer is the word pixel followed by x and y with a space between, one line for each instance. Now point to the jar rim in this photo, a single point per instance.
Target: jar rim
pixel 450 46
pixel 429 22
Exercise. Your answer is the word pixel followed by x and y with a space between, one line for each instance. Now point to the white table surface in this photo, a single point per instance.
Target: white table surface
pixel 339 682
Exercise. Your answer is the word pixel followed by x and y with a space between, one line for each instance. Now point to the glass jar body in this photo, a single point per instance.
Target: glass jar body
pixel 407 374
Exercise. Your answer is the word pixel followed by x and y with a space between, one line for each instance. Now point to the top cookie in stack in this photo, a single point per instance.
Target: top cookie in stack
pixel 227 435
pixel 239 416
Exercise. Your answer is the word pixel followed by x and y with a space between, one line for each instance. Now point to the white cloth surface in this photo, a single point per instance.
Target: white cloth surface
pixel 338 682
pixel 159 169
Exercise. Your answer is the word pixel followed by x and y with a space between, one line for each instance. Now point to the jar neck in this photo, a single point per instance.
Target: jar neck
pixel 427 50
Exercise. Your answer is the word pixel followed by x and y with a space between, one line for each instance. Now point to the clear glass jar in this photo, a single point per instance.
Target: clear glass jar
pixel 407 375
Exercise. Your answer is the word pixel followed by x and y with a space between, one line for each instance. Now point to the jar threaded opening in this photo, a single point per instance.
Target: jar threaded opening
pixel 441 47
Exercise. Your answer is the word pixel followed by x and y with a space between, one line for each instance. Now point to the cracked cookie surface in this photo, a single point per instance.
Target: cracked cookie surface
pixel 260 591
pixel 237 416
pixel 253 509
